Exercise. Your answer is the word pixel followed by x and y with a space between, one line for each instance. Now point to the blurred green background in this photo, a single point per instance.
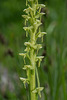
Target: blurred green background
pixel 53 70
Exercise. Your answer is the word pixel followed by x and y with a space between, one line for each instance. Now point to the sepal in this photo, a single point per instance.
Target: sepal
pixel 30 0
pixel 37 24
pixel 38 90
pixel 26 17
pixel 37 6
pixel 27 49
pixel 24 81
pixel 39 15
pixel 28 44
pixel 24 55
pixel 40 34
pixel 26 67
pixel 38 46
pixel 27 28
pixel 41 5
pixel 39 59
pixel 29 9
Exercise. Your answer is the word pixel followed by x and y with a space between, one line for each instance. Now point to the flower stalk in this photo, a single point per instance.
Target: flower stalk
pixel 32 28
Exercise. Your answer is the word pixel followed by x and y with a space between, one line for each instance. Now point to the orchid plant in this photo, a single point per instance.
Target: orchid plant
pixel 32 18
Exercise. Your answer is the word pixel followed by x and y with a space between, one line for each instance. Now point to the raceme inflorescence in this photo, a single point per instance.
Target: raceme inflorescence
pixel 32 18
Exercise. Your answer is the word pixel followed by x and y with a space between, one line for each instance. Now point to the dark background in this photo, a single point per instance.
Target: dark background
pixel 53 70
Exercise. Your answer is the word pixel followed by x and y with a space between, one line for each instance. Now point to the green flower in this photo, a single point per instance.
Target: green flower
pixel 38 90
pixel 24 81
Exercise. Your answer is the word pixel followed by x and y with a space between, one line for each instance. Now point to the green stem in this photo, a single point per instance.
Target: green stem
pixel 37 77
pixel 32 73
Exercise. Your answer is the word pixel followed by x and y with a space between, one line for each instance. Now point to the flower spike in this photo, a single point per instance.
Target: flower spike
pixel 32 28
